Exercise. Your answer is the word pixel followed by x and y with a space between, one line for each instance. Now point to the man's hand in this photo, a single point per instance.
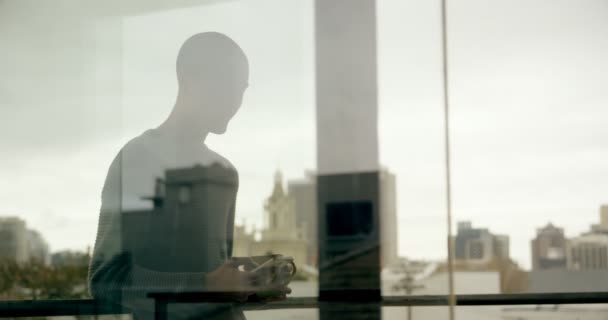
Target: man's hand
pixel 275 293
pixel 263 291
pixel 232 283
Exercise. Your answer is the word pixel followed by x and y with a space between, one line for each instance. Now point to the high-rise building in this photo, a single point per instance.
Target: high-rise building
pixel 501 246
pixel 601 227
pixel 13 239
pixel 479 244
pixel 20 244
pixel 548 248
pixel 304 194
pixel 588 251
pixel 388 216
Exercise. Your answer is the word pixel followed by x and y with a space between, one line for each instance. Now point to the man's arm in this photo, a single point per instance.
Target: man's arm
pixel 230 231
pixel 231 217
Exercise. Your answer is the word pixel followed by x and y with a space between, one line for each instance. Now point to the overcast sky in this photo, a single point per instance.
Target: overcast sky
pixel 529 105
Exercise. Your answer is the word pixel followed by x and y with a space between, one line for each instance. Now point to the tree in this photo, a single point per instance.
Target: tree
pixel 8 280
pixel 36 280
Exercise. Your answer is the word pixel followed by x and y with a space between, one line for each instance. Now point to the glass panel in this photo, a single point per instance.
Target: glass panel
pixel 528 202
pixel 528 151
pixel 253 150
pixel 98 113
pixel 411 145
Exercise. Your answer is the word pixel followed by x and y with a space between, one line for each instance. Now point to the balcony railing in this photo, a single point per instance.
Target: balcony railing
pixel 42 308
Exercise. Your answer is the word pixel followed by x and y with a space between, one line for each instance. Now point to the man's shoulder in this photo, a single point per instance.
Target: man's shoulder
pixel 144 142
pixel 149 149
pixel 136 155
pixel 216 158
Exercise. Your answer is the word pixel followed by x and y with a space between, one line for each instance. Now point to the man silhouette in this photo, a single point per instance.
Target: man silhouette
pixel 168 202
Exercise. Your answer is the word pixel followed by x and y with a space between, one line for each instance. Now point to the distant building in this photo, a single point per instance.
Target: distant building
pixel 20 244
pixel 38 248
pixel 578 264
pixel 479 245
pixel 388 216
pixel 69 258
pixel 501 246
pixel 465 282
pixel 602 227
pixel 281 234
pixel 304 195
pixel 436 283
pixel 604 216
pixel 242 242
pixel 559 281
pixel 563 280
pixel 13 239
pixel 549 248
pixel 588 251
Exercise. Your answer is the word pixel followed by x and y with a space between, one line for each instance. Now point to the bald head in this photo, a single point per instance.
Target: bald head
pixel 211 58
pixel 213 73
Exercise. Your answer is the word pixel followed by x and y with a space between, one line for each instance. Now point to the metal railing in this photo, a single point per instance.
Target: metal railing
pixel 41 308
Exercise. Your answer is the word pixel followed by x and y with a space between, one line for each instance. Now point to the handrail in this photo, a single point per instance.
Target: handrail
pixel 41 308
pixel 49 308
pixel 415 300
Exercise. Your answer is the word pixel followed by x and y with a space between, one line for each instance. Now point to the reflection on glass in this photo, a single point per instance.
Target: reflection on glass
pixel 79 79
pixel 168 203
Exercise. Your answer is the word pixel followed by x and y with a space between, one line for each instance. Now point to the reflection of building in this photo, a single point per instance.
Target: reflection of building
pixel 281 234
pixel 21 244
pixel 479 245
pixel 548 248
pixel 304 194
pixel 186 228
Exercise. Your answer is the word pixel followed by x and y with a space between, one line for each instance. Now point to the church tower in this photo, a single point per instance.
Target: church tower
pixel 281 234
pixel 279 213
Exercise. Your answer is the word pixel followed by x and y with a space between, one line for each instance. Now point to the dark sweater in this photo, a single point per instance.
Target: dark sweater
pixel 163 235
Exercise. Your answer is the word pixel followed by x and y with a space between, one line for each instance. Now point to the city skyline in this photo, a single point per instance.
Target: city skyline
pixel 250 232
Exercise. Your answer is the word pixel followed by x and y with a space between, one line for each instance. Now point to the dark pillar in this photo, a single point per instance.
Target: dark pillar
pixel 347 159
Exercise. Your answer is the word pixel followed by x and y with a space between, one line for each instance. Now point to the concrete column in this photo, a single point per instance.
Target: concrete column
pixel 347 159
